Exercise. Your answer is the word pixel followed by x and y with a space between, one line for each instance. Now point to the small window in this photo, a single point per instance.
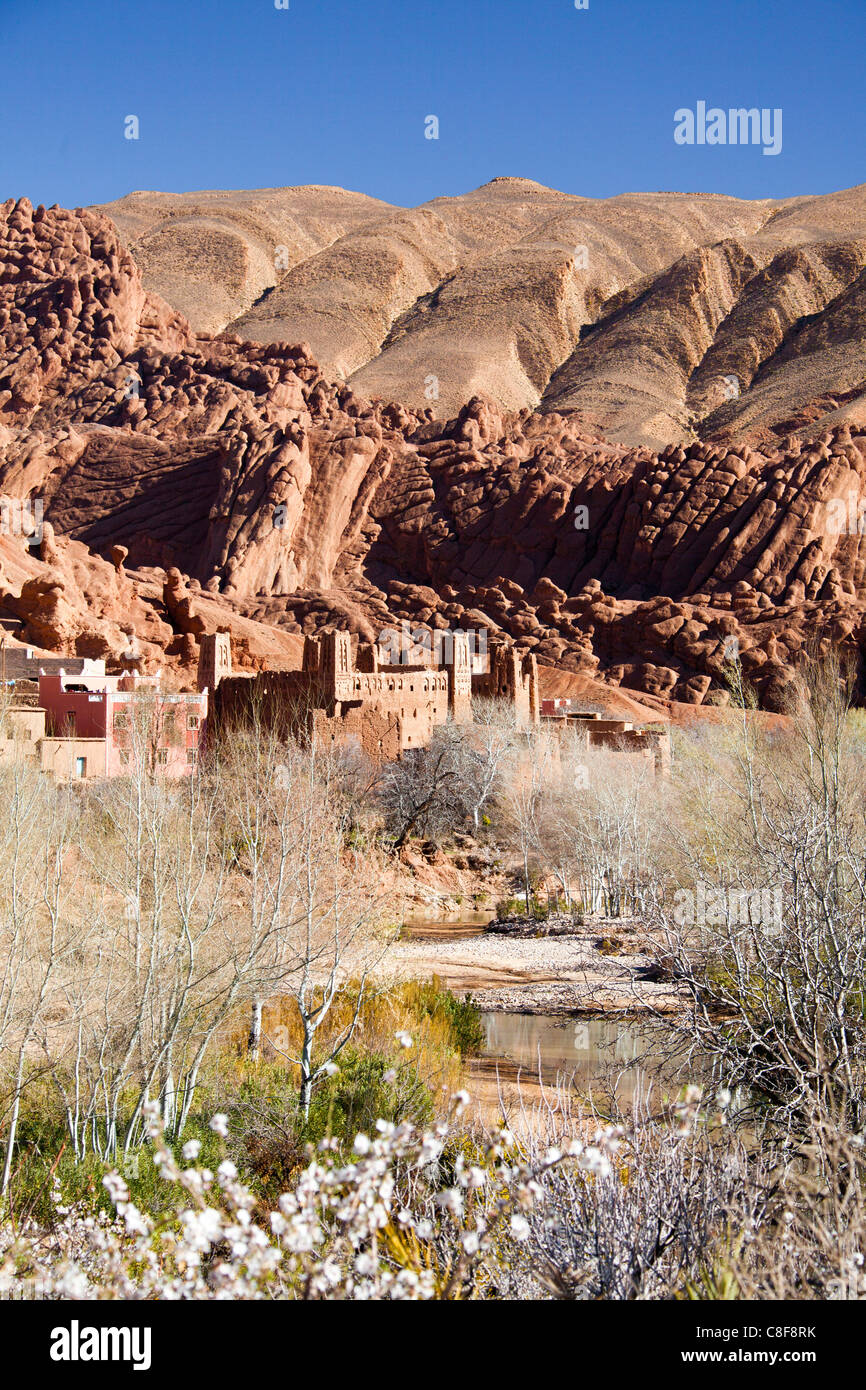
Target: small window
pixel 162 755
pixel 81 767
pixel 192 721
pixel 191 755
pixel 121 721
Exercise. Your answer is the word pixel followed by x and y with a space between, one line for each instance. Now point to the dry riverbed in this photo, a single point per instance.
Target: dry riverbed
pixel 562 975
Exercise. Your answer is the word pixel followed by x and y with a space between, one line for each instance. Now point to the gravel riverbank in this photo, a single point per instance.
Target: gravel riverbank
pixel 545 975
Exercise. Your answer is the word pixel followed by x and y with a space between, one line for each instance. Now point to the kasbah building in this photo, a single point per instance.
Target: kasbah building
pixel 80 722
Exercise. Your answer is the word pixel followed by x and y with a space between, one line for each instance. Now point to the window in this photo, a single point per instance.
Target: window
pixel 162 755
pixel 192 721
pixel 81 767
pixel 191 755
pixel 121 721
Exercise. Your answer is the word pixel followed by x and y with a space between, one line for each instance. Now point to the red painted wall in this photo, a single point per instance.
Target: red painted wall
pixel 87 706
pixel 100 714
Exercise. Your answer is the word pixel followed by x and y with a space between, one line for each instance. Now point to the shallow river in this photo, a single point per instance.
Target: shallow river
pixel 586 1052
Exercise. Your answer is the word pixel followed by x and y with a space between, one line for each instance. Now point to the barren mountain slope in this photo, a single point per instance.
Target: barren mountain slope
pixel 213 254
pixel 660 317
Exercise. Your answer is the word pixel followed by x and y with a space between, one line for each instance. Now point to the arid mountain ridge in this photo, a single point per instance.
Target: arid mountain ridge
pixel 635 310
pixel 624 524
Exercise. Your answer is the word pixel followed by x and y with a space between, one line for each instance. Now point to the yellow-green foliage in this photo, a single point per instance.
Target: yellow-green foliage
pixel 441 1028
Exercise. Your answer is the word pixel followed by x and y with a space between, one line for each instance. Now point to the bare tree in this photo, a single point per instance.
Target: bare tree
pixel 766 918
pixel 41 929
pixel 167 943
pixel 523 801
pixel 422 792
pixel 486 750
pixel 308 894
pixel 599 826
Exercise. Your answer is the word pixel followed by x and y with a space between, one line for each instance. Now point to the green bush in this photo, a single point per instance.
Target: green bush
pixel 462 1016
pixel 367 1087
pixel 516 907
pixel 268 1139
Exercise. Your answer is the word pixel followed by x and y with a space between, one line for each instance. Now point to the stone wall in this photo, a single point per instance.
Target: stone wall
pixel 512 675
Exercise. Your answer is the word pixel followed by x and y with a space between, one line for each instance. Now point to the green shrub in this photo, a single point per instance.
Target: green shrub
pixel 367 1087
pixel 462 1016
pixel 516 907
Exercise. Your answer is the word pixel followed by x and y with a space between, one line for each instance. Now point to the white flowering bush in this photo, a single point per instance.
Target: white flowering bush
pixel 671 1205
pixel 407 1215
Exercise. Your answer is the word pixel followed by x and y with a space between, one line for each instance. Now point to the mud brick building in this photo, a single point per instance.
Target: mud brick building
pixel 345 693
pixel 618 735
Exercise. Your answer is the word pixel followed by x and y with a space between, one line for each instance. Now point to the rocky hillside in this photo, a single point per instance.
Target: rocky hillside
pixel 661 317
pixel 193 479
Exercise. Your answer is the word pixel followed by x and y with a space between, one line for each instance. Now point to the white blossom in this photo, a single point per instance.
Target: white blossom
pixel 519 1227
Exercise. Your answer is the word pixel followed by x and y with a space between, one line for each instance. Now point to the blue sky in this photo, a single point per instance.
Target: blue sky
pixel 238 94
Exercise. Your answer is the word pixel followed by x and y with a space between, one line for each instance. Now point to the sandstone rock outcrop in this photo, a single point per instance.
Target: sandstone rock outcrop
pixel 192 480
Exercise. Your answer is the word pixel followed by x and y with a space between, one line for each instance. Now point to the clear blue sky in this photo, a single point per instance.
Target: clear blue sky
pixel 238 94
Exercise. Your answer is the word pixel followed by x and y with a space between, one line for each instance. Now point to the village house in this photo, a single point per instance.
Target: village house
pixel 78 721
pixel 343 694
pixel 346 692
pixel 85 723
pixel 649 744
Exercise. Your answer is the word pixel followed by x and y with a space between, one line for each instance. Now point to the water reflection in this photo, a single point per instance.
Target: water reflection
pixel 420 929
pixel 590 1052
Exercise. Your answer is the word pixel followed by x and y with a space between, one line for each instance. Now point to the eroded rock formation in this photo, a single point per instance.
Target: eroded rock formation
pixel 192 481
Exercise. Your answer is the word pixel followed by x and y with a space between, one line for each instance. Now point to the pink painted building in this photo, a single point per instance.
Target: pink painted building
pixel 114 719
